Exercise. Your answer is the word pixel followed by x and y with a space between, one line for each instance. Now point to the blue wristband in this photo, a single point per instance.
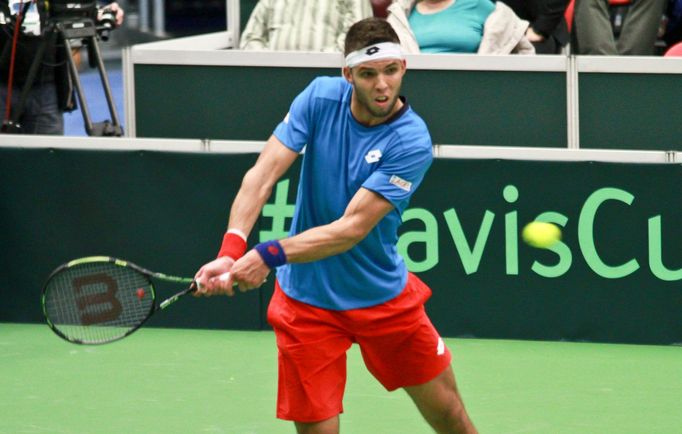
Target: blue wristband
pixel 272 253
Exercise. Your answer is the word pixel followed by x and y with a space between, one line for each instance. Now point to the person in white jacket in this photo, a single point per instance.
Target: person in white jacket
pixel 503 31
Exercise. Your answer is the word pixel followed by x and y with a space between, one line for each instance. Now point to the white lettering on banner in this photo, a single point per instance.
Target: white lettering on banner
pixel 472 245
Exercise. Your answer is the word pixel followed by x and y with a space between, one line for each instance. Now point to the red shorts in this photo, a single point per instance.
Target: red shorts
pixel 398 343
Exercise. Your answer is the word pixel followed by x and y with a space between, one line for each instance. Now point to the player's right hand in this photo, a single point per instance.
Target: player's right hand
pixel 209 280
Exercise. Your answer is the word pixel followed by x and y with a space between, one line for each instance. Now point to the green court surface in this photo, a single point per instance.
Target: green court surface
pixel 194 381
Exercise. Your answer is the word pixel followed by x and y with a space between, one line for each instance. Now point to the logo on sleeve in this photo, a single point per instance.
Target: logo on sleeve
pixel 400 183
pixel 373 156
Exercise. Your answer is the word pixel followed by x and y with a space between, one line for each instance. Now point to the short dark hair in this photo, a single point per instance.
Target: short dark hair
pixel 368 32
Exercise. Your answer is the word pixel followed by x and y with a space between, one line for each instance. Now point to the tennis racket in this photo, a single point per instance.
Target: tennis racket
pixel 100 299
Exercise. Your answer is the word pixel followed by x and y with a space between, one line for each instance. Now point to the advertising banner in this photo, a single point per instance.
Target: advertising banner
pixel 615 275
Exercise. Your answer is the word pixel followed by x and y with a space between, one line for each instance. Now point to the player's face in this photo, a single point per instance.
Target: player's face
pixel 376 88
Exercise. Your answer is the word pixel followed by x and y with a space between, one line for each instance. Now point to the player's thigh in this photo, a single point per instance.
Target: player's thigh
pixel 300 326
pixel 440 391
pixel 407 358
pixel 441 405
pixel 311 360
pixel 399 344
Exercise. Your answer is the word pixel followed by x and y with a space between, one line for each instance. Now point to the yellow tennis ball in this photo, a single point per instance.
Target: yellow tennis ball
pixel 540 234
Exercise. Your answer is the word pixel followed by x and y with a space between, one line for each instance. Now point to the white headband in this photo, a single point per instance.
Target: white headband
pixel 383 50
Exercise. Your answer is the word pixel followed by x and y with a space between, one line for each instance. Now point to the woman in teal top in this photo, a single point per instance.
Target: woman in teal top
pixel 449 26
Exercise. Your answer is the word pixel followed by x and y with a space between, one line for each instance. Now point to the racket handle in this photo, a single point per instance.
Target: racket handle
pixel 175 298
pixel 223 277
pixel 193 287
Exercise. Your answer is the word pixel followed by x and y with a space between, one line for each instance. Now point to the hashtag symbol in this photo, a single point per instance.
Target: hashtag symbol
pixel 279 211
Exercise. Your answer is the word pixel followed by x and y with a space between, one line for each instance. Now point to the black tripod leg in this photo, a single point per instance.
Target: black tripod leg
pixel 73 74
pixel 105 84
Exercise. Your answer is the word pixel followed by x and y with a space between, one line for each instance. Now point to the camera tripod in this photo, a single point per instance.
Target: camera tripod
pixel 83 29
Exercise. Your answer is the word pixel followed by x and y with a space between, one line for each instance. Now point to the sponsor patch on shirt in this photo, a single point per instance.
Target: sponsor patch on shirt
pixel 373 156
pixel 400 183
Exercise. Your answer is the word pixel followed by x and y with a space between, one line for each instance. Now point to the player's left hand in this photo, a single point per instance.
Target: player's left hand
pixel 249 272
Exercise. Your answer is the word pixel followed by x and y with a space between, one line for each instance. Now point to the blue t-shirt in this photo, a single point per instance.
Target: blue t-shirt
pixel 341 156
pixel 456 29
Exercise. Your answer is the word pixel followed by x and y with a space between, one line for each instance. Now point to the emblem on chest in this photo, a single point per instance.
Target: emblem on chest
pixel 373 156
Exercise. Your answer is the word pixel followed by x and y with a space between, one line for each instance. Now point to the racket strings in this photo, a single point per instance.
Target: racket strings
pixel 97 302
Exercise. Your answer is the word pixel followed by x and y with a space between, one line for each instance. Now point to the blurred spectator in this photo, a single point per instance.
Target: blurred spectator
pixel 302 25
pixel 458 26
pixel 593 33
pixel 548 31
pixel 379 7
pixel 673 32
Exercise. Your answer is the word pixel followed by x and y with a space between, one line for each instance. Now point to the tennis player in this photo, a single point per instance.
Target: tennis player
pixel 340 279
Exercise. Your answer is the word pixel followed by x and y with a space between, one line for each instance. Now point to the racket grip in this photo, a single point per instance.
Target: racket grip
pixel 223 277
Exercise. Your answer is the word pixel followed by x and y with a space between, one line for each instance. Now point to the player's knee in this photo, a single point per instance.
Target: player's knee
pixel 455 420
pixel 449 417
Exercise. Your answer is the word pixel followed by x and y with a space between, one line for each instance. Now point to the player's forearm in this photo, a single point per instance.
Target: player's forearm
pixel 249 202
pixel 257 184
pixel 323 241
pixel 364 211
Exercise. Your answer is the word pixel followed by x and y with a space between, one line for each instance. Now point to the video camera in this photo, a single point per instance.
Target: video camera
pixel 76 16
pixel 81 14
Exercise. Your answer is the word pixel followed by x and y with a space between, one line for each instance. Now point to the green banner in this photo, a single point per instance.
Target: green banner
pixel 614 277
pixel 164 211
pixel 462 107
